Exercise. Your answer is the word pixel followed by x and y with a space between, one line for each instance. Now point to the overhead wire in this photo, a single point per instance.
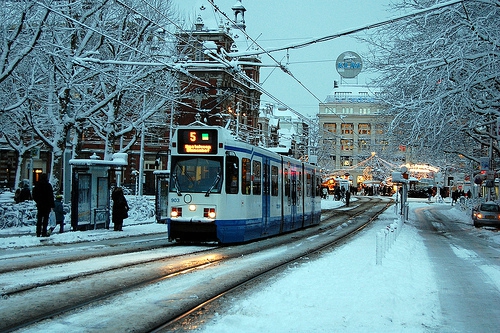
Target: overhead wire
pixel 284 68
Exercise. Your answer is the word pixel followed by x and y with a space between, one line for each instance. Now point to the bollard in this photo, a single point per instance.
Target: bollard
pixel 380 247
pixel 386 237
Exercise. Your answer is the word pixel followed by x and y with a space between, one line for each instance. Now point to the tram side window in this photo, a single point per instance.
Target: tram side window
pixel 300 184
pixel 308 185
pixel 318 186
pixel 246 176
pixel 232 174
pixel 287 184
pixel 256 168
pixel 274 181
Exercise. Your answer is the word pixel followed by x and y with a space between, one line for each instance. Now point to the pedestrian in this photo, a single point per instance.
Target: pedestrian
pixel 59 212
pixel 23 194
pixel 347 198
pixel 120 208
pixel 337 193
pixel 454 197
pixel 429 193
pixel 43 194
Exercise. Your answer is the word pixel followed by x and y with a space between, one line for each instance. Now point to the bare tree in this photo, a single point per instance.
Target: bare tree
pixel 88 73
pixel 440 77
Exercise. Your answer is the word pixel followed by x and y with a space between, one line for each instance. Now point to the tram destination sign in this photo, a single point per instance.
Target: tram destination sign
pixel 197 141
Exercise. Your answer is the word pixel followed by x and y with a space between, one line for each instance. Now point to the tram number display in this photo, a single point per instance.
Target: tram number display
pixel 197 141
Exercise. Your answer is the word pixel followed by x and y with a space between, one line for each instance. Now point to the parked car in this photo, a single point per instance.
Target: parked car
pixel 486 213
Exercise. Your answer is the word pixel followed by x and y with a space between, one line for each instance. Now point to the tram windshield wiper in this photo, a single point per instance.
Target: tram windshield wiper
pixel 176 184
pixel 216 181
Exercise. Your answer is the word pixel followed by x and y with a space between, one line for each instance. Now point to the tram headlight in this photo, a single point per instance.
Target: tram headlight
pixel 176 212
pixel 209 213
pixel 192 208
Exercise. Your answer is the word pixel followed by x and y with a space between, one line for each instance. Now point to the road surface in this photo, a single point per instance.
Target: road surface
pixel 467 270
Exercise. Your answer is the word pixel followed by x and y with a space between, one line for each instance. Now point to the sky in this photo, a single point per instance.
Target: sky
pixel 282 23
pixel 345 288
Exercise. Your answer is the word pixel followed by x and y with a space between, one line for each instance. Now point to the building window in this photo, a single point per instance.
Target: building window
pixel 364 144
pixel 331 142
pixel 347 128
pixel 330 127
pixel 345 160
pixel 364 129
pixel 346 144
pixel 382 144
pixel 380 129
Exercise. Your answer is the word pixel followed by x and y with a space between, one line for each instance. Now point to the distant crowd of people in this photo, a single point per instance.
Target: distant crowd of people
pixel 443 193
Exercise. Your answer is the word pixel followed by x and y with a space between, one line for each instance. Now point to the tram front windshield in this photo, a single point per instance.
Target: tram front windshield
pixel 196 175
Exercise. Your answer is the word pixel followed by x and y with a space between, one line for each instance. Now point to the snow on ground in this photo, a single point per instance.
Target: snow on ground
pixel 25 236
pixel 344 291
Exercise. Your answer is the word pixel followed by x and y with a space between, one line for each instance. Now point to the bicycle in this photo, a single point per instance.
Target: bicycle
pixel 18 215
pixel 141 209
pixel 27 213
pixel 9 217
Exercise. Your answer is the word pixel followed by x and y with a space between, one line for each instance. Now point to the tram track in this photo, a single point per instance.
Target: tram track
pixel 140 275
pixel 184 322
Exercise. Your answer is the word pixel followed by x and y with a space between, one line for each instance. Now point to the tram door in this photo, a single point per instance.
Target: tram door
pixel 266 199
pixel 294 180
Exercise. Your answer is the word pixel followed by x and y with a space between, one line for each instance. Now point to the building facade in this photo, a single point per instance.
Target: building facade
pixel 354 129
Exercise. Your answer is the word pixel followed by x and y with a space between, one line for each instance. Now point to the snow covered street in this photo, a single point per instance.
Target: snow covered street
pixel 345 290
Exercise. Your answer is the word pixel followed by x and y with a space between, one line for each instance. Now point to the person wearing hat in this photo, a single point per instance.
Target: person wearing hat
pixel 59 211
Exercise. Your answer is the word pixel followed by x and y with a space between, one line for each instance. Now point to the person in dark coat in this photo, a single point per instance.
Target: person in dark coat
pixel 59 212
pixel 336 193
pixel 24 194
pixel 120 208
pixel 43 194
pixel 347 198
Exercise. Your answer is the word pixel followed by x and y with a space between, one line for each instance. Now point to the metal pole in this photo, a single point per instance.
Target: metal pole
pixel 171 134
pixel 141 157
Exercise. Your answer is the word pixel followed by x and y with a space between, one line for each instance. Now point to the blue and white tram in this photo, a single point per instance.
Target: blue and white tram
pixel 229 191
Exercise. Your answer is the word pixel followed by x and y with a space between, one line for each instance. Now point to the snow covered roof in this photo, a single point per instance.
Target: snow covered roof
pixel 353 94
pixel 238 6
pixel 119 159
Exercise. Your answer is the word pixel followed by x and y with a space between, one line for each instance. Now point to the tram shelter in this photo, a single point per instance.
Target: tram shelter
pixel 90 190
pixel 161 195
